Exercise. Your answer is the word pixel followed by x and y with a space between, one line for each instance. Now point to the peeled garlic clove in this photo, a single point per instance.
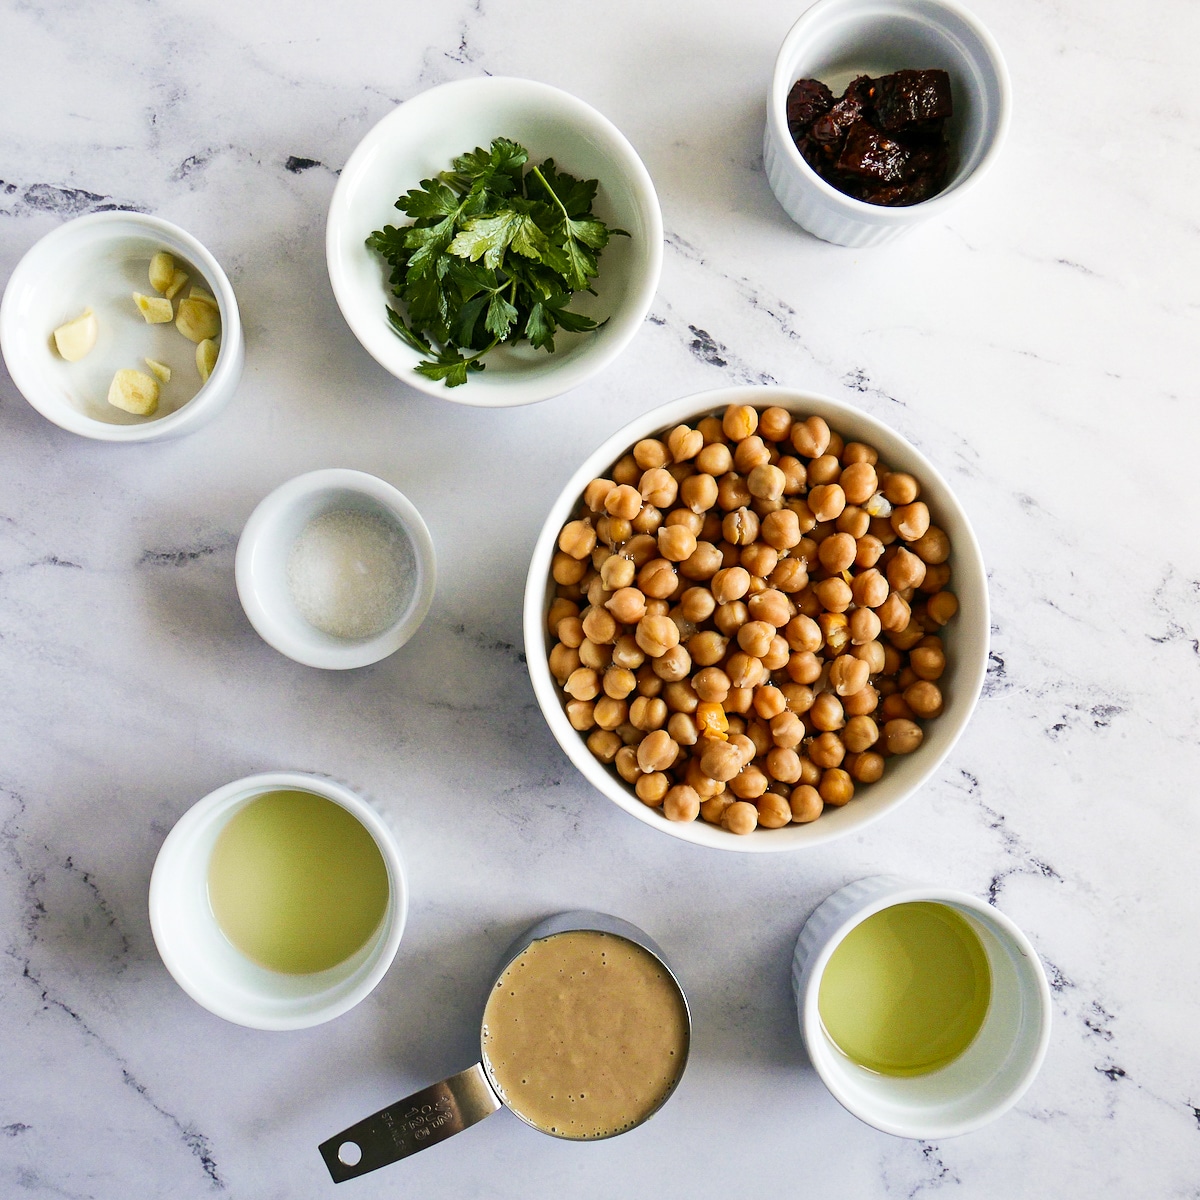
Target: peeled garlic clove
pixel 134 392
pixel 156 309
pixel 76 338
pixel 197 319
pixel 198 293
pixel 206 358
pixel 176 284
pixel 159 370
pixel 162 271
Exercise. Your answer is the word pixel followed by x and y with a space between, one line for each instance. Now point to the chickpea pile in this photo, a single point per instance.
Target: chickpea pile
pixel 746 618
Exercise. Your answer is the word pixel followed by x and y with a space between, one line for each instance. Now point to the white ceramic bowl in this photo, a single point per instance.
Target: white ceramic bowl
pixel 966 636
pixel 208 966
pixel 261 566
pixel 995 1070
pixel 417 141
pixel 98 261
pixel 837 39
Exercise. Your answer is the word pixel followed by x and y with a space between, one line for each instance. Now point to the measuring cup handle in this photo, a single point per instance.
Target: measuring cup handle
pixel 423 1119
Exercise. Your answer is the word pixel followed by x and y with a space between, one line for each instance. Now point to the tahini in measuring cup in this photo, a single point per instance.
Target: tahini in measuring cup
pixel 585 1035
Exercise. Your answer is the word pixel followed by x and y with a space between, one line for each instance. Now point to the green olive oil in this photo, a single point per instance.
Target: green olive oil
pixel 296 882
pixel 906 991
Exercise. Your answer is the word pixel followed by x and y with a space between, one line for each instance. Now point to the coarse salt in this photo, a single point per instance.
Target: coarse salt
pixel 351 573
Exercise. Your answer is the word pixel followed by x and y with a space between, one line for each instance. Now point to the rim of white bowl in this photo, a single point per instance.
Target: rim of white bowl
pixel 215 391
pixel 176 841
pixel 964 549
pixel 907 891
pixel 880 214
pixel 317 651
pixel 623 323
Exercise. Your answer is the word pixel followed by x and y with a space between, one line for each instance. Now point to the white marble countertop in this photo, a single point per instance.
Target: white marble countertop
pixel 1038 344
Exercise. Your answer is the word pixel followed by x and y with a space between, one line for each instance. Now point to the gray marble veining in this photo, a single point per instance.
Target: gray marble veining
pixel 1038 345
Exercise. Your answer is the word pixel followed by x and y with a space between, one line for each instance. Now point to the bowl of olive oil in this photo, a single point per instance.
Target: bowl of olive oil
pixel 278 901
pixel 925 1011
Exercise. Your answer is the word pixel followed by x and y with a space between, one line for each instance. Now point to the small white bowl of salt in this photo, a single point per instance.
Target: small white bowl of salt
pixel 335 569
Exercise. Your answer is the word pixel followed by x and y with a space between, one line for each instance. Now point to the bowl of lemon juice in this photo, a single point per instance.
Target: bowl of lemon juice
pixel 925 1011
pixel 278 901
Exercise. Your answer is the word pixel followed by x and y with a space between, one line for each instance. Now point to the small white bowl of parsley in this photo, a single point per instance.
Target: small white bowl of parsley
pixel 494 241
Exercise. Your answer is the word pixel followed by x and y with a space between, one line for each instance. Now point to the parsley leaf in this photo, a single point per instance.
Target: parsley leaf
pixel 493 255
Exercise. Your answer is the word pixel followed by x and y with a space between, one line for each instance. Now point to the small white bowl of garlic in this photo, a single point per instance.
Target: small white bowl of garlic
pixel 122 327
pixel 335 569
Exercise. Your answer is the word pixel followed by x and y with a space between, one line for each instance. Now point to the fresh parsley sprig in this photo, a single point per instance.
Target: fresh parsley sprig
pixel 494 255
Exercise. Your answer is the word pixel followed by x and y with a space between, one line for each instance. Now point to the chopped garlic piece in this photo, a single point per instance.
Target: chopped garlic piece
pixel 134 392
pixel 176 284
pixel 206 358
pixel 162 271
pixel 878 506
pixel 198 293
pixel 76 338
pixel 159 370
pixel 156 309
pixel 197 319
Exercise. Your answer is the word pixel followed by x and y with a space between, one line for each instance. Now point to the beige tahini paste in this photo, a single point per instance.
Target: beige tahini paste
pixel 585 1034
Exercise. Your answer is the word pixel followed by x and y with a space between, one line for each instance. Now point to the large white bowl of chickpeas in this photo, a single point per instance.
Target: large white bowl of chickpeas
pixel 757 619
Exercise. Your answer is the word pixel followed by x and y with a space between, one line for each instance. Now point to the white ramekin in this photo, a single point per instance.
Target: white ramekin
pixel 989 1077
pixel 966 636
pixel 261 564
pixel 418 140
pixel 207 965
pixel 99 260
pixel 836 39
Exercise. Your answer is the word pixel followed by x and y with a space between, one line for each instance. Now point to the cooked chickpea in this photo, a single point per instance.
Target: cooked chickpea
pixel 697 604
pixel 860 734
pixel 905 570
pixel 604 744
pixel 648 713
pixel 790 575
pixel 895 707
pixel 617 572
pixel 783 764
pixel 774 812
pixel 740 817
pixel 827 712
pixel 848 675
pixel 627 605
pixel 942 607
pixel 740 527
pixel 755 638
pixel 614 531
pixel 810 437
pixel 859 482
pixel 648 520
pixel 657 752
pixel 713 808
pixel 894 613
pixel 855 521
pixel 703 563
pixel 619 682
pixel 803 633
pixel 861 703
pixel 804 667
pixel 924 698
pixel 682 729
pixel 707 647
pixel 563 661
pixel 745 670
pixel 787 730
pixel 711 684
pixel 578 538
pixel 826 501
pixel 749 783
pixel 834 594
pixel 806 804
pixel 901 488
pixel 652 789
pixel 627 653
pixel 581 714
pixel 739 700
pixel 902 736
pixel 656 635
pixel 698 492
pixel 704 787
pixel 609 713
pixel 765 482
pixel 650 452
pixel 823 471
pixel 874 654
pixel 927 662
pixel 836 787
pixel 826 750
pixel 769 702
pixel 869 550
pixel 720 760
pixel 729 618
pixel 910 522
pixel 864 626
pixel 624 502
pixel 599 626
pixel 627 764
pixel 582 684
pixel 749 453
pixel 567 570
pixel 596 493
pixel 866 767
pixel 675 543
pixel 715 459
pixel 681 803
pixel 657 579
pixel 836 552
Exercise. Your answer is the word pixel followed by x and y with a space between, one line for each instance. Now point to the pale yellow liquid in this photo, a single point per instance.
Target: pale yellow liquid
pixel 296 882
pixel 585 1034
pixel 906 991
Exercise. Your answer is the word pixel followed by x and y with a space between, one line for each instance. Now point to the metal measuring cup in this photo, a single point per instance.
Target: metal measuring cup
pixel 437 1112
